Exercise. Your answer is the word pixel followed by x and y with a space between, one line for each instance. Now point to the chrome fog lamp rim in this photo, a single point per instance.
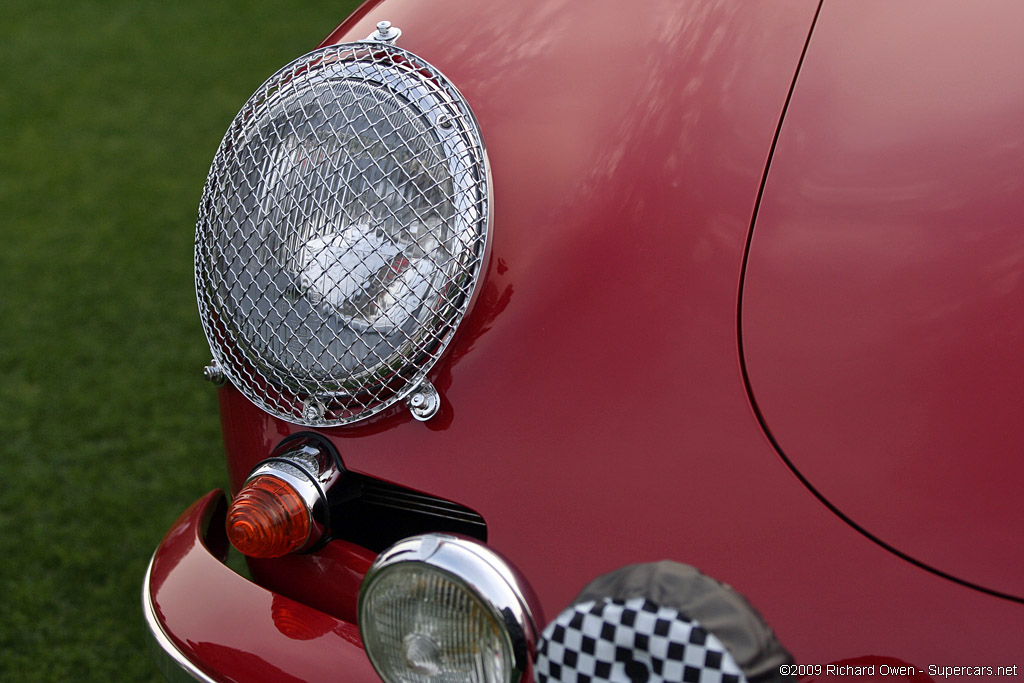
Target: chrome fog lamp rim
pixel 480 570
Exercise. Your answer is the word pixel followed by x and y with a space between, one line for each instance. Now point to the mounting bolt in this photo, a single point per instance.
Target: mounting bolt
pixel 215 373
pixel 313 410
pixel 385 33
pixel 424 401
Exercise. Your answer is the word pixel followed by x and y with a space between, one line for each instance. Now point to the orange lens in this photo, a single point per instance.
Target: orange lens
pixel 267 519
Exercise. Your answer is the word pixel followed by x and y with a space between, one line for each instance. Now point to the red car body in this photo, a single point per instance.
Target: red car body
pixel 753 303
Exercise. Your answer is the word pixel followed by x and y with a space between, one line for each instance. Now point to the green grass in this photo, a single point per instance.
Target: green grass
pixel 110 113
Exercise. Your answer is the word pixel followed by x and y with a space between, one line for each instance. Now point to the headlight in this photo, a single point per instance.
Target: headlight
pixel 341 233
pixel 443 608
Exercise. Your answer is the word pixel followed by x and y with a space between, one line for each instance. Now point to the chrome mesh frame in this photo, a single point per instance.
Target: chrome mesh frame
pixel 348 140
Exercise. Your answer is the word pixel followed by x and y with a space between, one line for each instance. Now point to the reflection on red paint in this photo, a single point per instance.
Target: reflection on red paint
pixel 250 665
pixel 298 622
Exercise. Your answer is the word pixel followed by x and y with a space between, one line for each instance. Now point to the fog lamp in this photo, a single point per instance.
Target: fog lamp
pixel 444 608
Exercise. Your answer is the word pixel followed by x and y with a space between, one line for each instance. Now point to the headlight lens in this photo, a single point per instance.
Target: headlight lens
pixel 441 608
pixel 341 233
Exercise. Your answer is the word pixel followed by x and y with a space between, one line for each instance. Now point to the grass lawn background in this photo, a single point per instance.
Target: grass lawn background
pixel 110 113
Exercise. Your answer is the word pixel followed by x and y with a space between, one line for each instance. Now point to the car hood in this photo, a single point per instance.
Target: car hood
pixel 882 307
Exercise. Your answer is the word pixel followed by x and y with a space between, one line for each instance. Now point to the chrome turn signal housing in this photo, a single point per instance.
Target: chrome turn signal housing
pixel 282 507
pixel 439 607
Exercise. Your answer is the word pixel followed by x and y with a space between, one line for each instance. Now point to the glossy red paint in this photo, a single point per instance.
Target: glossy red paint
pixel 595 409
pixel 233 629
pixel 329 579
pixel 883 316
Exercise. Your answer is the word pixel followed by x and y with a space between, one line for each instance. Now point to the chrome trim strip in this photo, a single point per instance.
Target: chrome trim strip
pixel 173 664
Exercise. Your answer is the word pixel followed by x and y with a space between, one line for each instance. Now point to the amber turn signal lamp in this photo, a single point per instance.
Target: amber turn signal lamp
pixel 268 518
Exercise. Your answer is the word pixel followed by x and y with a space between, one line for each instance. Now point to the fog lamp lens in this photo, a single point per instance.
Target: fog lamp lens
pixel 268 518
pixel 427 626
pixel 440 608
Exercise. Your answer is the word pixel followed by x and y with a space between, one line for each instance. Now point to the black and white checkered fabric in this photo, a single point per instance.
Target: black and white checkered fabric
pixel 631 641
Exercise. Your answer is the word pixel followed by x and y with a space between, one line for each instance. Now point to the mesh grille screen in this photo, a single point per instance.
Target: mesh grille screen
pixel 341 233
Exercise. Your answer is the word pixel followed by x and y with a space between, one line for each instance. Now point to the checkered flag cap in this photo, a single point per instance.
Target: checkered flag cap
pixel 631 641
pixel 661 621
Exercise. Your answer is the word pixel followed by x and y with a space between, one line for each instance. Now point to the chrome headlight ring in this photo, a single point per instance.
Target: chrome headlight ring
pixel 341 233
